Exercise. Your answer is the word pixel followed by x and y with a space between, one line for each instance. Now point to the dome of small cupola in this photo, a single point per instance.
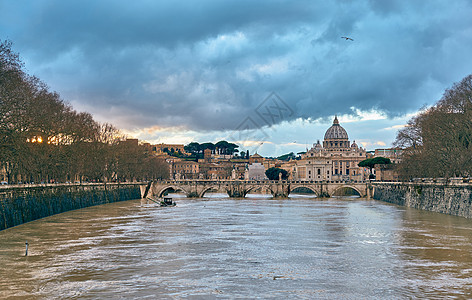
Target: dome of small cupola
pixel 336 131
pixel 354 145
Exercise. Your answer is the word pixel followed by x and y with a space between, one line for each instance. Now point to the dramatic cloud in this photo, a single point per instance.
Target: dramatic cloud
pixel 208 65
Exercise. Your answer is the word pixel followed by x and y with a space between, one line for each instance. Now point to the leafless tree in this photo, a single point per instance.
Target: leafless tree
pixel 438 141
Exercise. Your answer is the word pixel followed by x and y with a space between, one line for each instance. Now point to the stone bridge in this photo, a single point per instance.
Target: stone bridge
pixel 240 188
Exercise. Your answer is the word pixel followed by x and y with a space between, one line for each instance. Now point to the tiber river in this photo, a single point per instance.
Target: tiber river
pixel 299 248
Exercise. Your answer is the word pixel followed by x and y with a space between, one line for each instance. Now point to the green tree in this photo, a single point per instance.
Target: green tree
pixel 205 146
pixel 273 173
pixel 193 148
pixel 371 162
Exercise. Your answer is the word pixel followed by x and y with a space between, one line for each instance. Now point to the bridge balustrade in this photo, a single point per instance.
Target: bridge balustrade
pixel 206 181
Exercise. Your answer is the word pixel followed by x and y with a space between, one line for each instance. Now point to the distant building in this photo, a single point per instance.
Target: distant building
pixel 239 170
pixel 334 160
pixel 256 158
pixel 222 170
pixel 386 172
pixel 256 171
pixel 185 169
pixel 394 154
pixel 159 148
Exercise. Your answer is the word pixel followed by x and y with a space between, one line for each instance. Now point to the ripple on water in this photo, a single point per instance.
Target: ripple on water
pixel 298 248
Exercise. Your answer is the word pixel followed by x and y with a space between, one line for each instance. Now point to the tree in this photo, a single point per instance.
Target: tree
pixel 438 141
pixel 193 148
pixel 205 146
pixel 273 173
pixel 226 148
pixel 371 162
pixel 43 139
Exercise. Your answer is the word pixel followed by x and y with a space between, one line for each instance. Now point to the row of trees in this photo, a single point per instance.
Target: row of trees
pixel 221 147
pixel 42 139
pixel 437 142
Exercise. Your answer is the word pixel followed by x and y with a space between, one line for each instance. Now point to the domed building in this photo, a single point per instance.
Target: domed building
pixel 334 160
pixel 336 137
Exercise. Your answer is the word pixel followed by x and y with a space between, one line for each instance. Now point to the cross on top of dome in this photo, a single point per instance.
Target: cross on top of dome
pixel 335 122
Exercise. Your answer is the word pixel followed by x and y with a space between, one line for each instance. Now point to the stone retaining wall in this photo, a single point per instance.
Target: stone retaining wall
pixel 446 198
pixel 21 204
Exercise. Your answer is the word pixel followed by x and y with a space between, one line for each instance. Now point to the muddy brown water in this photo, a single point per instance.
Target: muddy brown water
pixel 298 248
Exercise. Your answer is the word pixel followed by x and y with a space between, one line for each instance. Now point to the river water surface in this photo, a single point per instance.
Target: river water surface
pixel 299 248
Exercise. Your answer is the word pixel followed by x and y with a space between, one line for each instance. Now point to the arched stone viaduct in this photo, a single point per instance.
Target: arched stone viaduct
pixel 240 188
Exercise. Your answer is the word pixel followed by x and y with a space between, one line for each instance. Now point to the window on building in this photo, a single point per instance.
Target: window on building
pixel 319 171
pixel 335 171
pixel 347 171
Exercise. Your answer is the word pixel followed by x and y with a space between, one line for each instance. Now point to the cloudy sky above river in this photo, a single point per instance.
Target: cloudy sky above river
pixel 269 75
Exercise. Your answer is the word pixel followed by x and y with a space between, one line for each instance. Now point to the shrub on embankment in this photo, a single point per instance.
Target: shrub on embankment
pixel 19 205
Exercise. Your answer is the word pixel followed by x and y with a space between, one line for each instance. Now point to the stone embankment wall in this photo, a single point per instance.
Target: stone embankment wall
pixel 451 198
pixel 21 204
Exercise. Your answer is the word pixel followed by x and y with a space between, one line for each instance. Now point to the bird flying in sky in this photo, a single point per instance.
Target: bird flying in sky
pixel 347 38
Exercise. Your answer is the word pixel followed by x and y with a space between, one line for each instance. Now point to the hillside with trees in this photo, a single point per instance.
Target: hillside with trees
pixel 43 139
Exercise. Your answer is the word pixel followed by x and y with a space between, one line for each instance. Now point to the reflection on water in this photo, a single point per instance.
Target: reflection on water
pixel 239 248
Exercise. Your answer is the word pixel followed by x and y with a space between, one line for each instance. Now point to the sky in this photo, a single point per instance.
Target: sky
pixel 267 75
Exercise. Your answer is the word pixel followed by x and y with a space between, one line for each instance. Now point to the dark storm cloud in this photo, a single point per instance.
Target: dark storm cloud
pixel 207 65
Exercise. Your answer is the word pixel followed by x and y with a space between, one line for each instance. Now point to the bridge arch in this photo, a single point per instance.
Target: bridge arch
pixel 293 188
pixel 161 192
pixel 206 189
pixel 347 187
pixel 257 187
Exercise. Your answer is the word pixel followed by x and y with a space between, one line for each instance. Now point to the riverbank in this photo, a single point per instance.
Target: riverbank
pixel 24 203
pixel 443 197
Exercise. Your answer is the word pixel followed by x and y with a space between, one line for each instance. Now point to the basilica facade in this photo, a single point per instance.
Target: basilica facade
pixel 335 159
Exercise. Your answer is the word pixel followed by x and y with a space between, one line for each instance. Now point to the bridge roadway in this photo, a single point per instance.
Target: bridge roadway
pixel 240 188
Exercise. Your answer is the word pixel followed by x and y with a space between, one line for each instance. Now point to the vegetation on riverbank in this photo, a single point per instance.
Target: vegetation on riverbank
pixel 437 142
pixel 43 139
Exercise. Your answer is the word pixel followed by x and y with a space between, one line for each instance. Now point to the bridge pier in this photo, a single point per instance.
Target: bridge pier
pixel 280 190
pixel 237 191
